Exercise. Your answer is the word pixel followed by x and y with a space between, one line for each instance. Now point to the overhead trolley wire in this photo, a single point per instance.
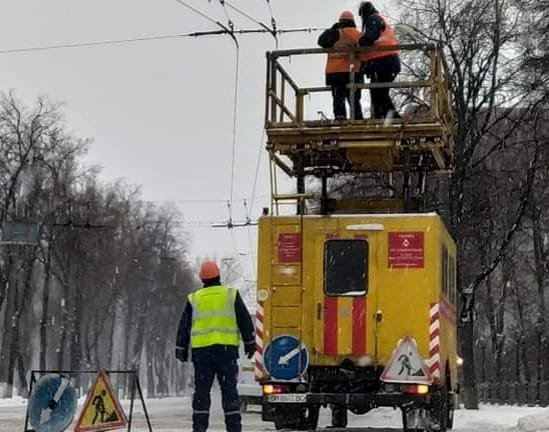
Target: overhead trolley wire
pixel 273 22
pixel 235 110
pixel 230 32
pixel 108 42
pixel 198 12
pixel 235 104
pixel 93 43
pixel 229 20
pixel 258 165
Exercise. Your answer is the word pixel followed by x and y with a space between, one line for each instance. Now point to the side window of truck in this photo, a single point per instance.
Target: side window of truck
pixel 453 280
pixel 346 267
pixel 444 271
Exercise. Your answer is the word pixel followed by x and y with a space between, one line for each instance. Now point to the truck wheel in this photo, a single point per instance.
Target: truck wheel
pixel 440 410
pixel 450 413
pixel 309 422
pixel 282 423
pixel 415 420
pixel 303 419
pixel 339 416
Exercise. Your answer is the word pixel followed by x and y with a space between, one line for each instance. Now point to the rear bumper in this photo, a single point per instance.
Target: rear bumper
pixel 367 399
pixel 358 399
pixel 348 400
pixel 251 400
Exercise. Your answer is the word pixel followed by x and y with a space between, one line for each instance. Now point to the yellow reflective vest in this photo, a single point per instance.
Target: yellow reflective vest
pixel 214 317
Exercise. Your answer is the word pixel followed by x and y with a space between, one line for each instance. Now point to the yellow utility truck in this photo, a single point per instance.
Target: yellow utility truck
pixel 356 294
pixel 341 295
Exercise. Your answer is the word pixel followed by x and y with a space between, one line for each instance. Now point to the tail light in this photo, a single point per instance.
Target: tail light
pixel 269 389
pixel 415 389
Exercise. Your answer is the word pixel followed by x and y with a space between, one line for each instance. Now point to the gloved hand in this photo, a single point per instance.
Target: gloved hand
pixel 249 349
pixel 336 26
pixel 181 354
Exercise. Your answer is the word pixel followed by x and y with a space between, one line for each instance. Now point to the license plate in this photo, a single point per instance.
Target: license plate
pixel 287 398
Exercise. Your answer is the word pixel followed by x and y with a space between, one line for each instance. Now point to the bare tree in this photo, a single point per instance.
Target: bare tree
pixel 106 266
pixel 481 44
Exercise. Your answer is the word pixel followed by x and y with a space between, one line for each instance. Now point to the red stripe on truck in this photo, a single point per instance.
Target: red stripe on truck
pixel 330 325
pixel 359 325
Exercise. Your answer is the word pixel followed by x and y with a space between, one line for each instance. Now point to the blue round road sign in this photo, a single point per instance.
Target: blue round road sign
pixel 286 358
pixel 52 404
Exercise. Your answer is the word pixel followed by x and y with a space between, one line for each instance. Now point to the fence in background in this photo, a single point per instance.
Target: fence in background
pixel 531 394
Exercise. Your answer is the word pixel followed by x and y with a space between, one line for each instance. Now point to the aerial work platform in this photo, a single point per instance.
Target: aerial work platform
pixel 421 140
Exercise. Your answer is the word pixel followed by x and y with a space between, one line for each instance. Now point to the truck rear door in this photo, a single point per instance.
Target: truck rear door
pixel 345 294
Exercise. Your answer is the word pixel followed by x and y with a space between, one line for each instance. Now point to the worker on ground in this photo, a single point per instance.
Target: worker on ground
pixel 342 37
pixel 379 66
pixel 213 320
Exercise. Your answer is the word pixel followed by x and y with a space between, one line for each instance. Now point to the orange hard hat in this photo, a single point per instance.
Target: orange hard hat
pixel 346 16
pixel 209 270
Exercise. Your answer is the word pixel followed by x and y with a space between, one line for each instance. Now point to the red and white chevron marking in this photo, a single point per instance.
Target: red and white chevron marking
pixel 434 341
pixel 259 364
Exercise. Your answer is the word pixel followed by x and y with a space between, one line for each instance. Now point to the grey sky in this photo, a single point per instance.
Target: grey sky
pixel 160 112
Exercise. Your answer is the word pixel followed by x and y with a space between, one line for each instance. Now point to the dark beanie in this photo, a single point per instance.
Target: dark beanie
pixel 366 9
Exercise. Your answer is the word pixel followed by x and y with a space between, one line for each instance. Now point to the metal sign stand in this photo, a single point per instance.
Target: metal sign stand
pixel 135 386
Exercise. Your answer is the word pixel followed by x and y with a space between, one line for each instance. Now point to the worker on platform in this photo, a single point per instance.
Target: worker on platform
pixel 380 66
pixel 342 37
pixel 214 318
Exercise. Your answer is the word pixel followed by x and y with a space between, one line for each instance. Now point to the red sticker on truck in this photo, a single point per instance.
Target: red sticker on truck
pixel 406 250
pixel 289 248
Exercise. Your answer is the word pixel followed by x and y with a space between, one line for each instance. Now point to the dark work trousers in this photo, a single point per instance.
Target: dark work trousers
pixel 226 370
pixel 341 93
pixel 382 71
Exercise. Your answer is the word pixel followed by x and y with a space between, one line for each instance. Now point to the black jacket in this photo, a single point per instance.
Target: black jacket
pixel 371 30
pixel 183 341
pixel 329 37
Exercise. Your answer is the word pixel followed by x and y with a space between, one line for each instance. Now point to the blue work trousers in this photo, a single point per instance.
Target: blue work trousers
pixel 226 371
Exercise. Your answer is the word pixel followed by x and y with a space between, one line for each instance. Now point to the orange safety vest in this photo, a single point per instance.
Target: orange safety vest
pixel 341 61
pixel 386 38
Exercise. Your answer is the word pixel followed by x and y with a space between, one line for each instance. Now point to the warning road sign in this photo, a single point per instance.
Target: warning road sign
pixel 406 365
pixel 101 411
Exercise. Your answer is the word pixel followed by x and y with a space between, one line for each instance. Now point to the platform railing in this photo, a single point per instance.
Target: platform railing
pixel 285 98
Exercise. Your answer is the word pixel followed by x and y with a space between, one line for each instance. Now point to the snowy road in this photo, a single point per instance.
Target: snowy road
pixel 174 415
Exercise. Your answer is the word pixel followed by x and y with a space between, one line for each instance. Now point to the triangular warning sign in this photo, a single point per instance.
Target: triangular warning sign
pixel 406 365
pixel 101 411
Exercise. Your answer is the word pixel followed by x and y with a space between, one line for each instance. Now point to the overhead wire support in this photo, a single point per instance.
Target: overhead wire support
pixel 273 21
pixel 271 30
pixel 230 224
pixel 226 29
pixel 229 20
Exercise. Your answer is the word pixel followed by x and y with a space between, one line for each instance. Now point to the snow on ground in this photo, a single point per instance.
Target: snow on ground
pixel 174 415
pixel 538 422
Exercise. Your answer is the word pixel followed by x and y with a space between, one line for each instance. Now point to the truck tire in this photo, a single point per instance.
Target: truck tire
pixel 439 410
pixel 297 419
pixel 450 413
pixel 339 416
pixel 309 422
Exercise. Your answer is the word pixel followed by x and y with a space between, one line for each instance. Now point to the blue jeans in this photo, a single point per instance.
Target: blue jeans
pixel 226 371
